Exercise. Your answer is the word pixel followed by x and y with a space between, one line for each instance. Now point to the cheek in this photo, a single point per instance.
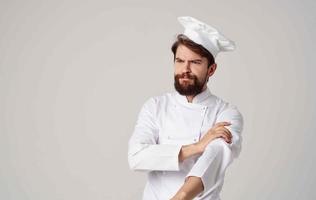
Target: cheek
pixel 197 72
pixel 177 70
pixel 200 74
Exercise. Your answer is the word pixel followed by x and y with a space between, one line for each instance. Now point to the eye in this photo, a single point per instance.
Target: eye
pixel 179 61
pixel 196 62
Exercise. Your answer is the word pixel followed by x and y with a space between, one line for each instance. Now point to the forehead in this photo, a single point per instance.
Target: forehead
pixel 184 52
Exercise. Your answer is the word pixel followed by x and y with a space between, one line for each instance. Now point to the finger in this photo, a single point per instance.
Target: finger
pixel 225 130
pixel 222 134
pixel 222 124
pixel 226 139
pixel 225 134
pixel 228 133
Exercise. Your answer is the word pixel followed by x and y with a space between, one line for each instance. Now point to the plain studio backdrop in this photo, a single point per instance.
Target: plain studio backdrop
pixel 74 75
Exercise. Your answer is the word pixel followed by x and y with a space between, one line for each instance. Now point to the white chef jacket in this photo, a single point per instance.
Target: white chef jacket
pixel 167 122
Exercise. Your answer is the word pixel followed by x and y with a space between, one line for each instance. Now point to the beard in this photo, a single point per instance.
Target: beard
pixel 188 88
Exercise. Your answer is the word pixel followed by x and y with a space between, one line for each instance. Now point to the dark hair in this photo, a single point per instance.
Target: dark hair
pixel 197 48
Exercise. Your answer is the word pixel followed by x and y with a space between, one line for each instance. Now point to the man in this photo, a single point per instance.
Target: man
pixel 186 139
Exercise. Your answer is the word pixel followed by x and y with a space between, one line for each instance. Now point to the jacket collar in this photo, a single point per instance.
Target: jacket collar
pixel 198 99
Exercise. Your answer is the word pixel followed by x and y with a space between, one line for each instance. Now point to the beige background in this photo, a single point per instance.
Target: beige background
pixel 74 74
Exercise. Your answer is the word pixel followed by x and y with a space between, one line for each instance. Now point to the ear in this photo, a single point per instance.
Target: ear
pixel 211 69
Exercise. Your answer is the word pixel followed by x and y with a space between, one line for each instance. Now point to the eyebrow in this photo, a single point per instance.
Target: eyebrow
pixel 194 60
pixel 199 60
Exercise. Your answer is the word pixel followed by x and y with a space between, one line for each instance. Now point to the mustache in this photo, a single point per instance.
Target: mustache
pixel 185 75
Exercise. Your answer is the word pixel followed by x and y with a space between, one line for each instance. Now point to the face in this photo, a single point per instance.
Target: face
pixel 191 71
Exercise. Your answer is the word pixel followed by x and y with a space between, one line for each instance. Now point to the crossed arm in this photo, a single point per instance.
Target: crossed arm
pixel 146 154
pixel 193 185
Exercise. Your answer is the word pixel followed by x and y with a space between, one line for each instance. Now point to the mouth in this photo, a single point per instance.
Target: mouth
pixel 185 79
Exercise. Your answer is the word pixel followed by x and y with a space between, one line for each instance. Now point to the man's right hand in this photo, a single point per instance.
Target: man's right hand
pixel 217 131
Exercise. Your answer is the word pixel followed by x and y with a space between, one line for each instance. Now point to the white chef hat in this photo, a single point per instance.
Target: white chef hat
pixel 206 35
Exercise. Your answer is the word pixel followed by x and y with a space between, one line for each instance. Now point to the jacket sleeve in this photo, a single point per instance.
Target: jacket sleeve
pixel 219 154
pixel 232 115
pixel 144 152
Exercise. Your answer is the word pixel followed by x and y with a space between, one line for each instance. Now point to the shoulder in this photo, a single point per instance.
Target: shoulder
pixel 227 108
pixel 154 102
pixel 159 99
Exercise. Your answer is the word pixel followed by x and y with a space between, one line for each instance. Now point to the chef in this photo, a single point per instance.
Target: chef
pixel 186 139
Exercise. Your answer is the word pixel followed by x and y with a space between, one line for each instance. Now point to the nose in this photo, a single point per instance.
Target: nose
pixel 186 67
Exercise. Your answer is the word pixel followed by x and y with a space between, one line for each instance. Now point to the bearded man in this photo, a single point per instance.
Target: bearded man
pixel 186 139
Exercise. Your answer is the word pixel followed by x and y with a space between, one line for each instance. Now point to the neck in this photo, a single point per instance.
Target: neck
pixel 190 98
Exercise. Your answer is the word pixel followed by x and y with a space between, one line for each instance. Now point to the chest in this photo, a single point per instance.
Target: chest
pixel 185 125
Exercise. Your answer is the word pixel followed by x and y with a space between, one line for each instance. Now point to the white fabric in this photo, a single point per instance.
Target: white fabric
pixel 167 122
pixel 206 35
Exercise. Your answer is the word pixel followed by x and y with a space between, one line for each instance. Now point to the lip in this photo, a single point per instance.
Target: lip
pixel 185 79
